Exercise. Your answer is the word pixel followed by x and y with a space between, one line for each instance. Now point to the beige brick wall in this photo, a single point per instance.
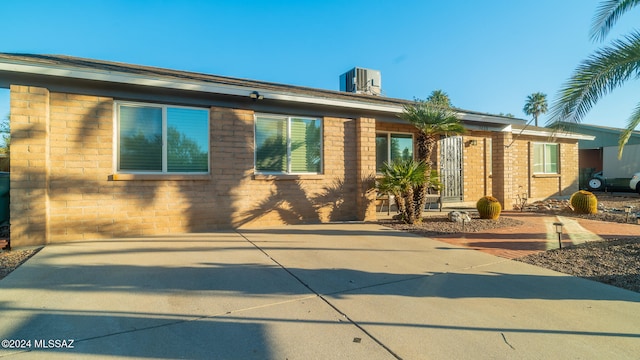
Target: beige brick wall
pixel 522 161
pixel 29 175
pixel 63 187
pixel 366 168
pixel 269 200
pixel 500 166
pixel 475 166
pixel 542 186
pixel 504 168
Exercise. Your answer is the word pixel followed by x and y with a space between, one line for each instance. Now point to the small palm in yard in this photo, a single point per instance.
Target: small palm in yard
pixel 401 178
pixel 433 118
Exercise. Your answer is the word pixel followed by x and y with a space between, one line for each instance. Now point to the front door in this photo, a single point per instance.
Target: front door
pixel 451 168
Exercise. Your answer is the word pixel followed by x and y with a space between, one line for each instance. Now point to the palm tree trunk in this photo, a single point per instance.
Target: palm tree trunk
pixel 402 205
pixel 411 207
pixel 426 146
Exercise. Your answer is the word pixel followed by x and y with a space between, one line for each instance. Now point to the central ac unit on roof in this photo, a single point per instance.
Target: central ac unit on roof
pixel 361 81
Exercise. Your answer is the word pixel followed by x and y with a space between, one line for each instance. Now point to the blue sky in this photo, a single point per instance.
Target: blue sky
pixel 487 55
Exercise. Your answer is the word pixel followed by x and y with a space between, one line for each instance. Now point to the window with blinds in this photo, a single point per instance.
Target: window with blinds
pixel 162 139
pixel 288 145
pixel 545 158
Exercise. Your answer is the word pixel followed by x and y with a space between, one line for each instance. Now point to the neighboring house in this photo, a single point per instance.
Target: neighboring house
pixel 102 149
pixel 604 144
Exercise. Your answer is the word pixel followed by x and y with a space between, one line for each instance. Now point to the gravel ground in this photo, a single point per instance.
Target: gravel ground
pixel 615 261
pixel 435 225
pixel 10 260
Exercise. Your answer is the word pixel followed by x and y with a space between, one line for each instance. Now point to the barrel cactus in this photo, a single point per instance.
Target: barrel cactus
pixel 584 202
pixel 489 208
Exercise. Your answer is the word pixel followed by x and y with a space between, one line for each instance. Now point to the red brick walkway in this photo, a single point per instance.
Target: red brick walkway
pixel 536 234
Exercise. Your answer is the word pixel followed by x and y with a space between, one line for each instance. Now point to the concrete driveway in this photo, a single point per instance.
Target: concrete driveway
pixel 331 291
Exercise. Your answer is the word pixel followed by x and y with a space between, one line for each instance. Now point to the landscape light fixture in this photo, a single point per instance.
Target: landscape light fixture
pixel 559 226
pixel 474 142
pixel 256 96
pixel 627 210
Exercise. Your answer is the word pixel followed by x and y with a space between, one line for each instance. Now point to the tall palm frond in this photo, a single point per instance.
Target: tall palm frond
pixel 432 119
pixel 605 70
pixel 597 76
pixel 607 15
pixel 632 123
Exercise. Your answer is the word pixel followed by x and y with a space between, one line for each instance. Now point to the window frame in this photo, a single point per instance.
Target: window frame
pixel 545 161
pixel 164 108
pixel 388 135
pixel 288 119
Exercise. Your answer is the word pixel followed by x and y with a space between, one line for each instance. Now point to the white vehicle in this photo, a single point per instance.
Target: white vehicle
pixel 634 184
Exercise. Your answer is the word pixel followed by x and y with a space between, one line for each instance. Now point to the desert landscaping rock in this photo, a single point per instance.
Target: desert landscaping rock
pixel 614 261
pixel 10 260
pixel 441 225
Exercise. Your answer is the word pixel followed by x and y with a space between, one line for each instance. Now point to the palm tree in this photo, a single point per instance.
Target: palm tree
pixel 536 104
pixel 433 118
pixel 400 178
pixel 440 98
pixel 605 70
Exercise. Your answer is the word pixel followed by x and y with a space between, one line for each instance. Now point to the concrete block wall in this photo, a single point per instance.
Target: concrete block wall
pixel 542 186
pixel 80 150
pixel 332 196
pixel 29 192
pixel 569 167
pixel 366 168
pixel 522 163
pixel 477 180
pixel 63 186
pixel 475 171
pixel 503 168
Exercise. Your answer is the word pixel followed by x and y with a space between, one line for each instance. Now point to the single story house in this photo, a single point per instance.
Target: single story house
pixel 101 149
pixel 602 151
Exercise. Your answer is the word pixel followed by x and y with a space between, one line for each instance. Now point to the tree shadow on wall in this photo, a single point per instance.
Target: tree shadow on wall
pixel 288 200
pixel 81 173
pixel 293 204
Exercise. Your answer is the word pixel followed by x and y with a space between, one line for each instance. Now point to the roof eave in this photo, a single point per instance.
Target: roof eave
pixel 551 133
pixel 182 84
pixel 121 77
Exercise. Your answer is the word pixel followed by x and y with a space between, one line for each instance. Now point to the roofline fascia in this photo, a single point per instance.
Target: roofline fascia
pixel 489 119
pixel 589 127
pixel 563 135
pixel 224 89
pixel 178 84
